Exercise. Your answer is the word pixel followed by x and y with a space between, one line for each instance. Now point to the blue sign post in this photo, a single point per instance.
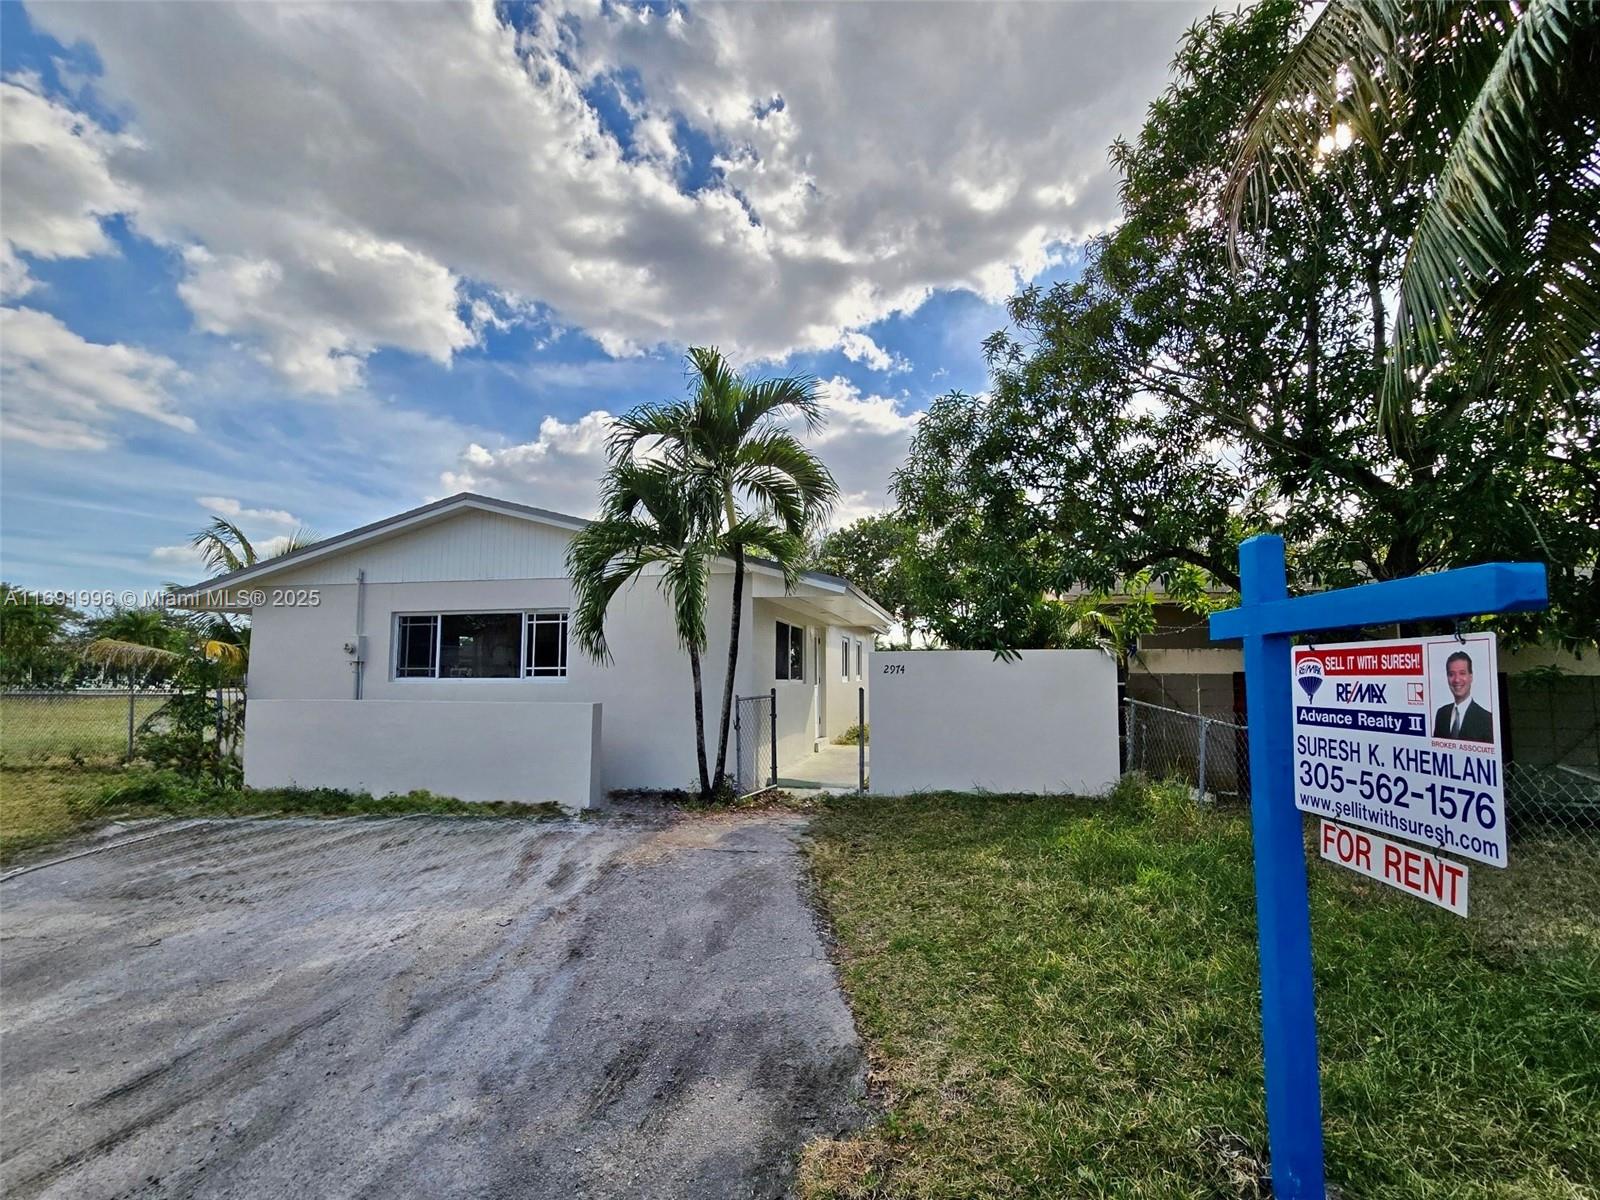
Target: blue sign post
pixel 1267 619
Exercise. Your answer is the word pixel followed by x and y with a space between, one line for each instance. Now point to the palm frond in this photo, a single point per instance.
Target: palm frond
pixel 775 470
pixel 770 540
pixel 223 546
pixel 1464 239
pixel 1344 70
pixel 302 537
pixel 229 653
pixel 646 424
pixel 684 584
pixel 789 395
pixel 114 653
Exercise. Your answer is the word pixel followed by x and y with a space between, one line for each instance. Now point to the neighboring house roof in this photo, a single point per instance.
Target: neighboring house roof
pixel 205 593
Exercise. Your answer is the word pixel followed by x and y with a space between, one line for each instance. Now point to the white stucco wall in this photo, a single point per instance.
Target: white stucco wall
pixel 842 700
pixel 797 719
pixel 480 561
pixel 963 720
pixel 296 653
pixel 522 751
pixel 296 650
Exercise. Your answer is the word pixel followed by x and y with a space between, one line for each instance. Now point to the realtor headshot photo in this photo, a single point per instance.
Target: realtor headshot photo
pixel 1463 718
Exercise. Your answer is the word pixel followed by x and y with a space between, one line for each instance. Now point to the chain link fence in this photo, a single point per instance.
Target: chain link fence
pixel 87 727
pixel 753 734
pixel 1212 754
pixel 1549 886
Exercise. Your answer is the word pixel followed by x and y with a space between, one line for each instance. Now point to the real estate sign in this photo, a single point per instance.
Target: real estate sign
pixel 1419 872
pixel 1403 737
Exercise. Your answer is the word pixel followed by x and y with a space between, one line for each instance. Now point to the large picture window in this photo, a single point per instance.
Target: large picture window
pixel 791 652
pixel 496 645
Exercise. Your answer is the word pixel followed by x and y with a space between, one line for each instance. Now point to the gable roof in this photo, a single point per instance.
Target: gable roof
pixel 208 592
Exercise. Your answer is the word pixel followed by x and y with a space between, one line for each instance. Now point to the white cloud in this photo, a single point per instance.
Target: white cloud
pixel 332 191
pixel 558 470
pixel 58 184
pixel 190 558
pixel 865 439
pixel 863 443
pixel 66 393
pixel 235 511
pixel 858 347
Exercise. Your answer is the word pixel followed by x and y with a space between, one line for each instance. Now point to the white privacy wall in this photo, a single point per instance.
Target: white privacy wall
pixel 525 751
pixel 962 720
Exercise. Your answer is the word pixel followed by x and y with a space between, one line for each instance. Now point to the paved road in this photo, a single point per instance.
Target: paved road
pixel 421 1007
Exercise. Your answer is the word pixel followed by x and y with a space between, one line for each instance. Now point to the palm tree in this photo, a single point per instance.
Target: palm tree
pixel 1488 116
pixel 649 524
pixel 224 546
pixel 729 437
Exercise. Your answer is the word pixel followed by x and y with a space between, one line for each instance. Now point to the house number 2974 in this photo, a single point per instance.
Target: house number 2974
pixel 894 668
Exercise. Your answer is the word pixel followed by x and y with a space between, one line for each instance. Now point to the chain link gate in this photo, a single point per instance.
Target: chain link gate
pixel 754 734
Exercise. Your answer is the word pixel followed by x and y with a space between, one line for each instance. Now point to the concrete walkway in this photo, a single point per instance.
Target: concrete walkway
pixel 831 769
pixel 422 1007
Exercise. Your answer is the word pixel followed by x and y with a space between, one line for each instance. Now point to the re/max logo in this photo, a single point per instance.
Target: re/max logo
pixel 1361 693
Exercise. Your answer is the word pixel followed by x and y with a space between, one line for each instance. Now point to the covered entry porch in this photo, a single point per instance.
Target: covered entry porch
pixel 812 653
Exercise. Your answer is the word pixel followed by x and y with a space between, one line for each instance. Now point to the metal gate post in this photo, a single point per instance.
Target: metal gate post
pixel 738 751
pixel 1202 771
pixel 1133 736
pixel 774 746
pixel 130 716
pixel 861 739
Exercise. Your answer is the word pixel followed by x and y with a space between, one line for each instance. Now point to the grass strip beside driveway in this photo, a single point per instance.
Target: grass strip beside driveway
pixel 43 806
pixel 1060 998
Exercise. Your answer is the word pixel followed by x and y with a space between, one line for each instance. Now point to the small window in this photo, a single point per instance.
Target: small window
pixel 416 647
pixel 859 671
pixel 547 644
pixel 844 659
pixel 791 652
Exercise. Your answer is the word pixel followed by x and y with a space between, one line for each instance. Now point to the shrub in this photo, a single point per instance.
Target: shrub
pixel 192 733
pixel 849 736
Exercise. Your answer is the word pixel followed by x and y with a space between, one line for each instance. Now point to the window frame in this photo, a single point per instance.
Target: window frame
pixel 844 662
pixel 787 673
pixel 524 647
pixel 860 660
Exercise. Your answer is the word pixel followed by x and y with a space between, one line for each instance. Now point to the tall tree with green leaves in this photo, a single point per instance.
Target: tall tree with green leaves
pixel 651 525
pixel 731 437
pixel 1176 396
pixel 876 554
pixel 34 650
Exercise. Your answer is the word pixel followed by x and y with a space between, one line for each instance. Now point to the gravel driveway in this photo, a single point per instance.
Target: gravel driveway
pixel 421 1007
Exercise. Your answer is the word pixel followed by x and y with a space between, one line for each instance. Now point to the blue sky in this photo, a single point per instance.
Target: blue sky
pixel 281 269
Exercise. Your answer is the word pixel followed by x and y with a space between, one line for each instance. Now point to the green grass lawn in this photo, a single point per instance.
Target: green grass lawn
pixel 69 728
pixel 1060 998
pixel 40 806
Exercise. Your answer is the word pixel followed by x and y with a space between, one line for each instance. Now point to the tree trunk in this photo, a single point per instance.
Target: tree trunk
pixel 733 662
pixel 699 724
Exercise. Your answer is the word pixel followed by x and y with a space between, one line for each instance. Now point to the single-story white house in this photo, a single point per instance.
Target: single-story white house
pixel 432 650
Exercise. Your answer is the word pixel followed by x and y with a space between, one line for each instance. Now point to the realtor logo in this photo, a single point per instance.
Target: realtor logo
pixel 1414 693
pixel 1309 676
